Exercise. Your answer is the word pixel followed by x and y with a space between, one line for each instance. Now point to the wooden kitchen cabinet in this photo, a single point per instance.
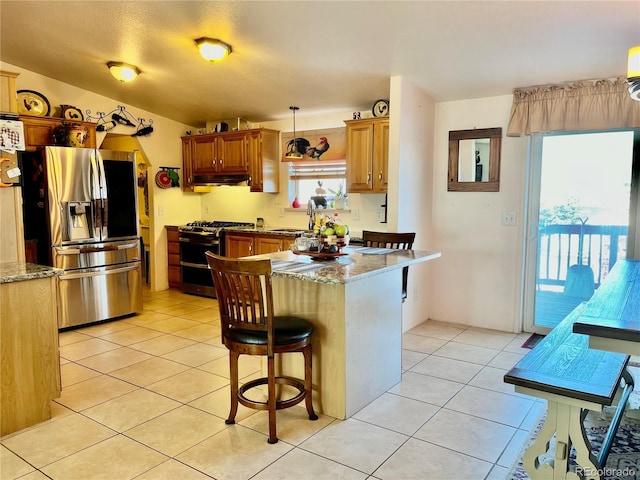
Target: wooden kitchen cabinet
pixel 367 155
pixel 173 254
pixel 29 351
pixel 38 131
pixel 253 152
pixel 245 244
pixel 264 162
pixel 239 245
pixel 271 244
pixel 224 154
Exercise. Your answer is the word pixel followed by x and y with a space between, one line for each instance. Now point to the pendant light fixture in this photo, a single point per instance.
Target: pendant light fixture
pixel 294 154
pixel 633 73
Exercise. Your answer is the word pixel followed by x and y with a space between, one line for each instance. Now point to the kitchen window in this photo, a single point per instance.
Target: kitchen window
pixel 311 175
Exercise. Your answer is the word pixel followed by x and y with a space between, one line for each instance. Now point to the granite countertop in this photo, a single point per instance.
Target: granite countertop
pixel 358 263
pixel 21 271
pixel 282 232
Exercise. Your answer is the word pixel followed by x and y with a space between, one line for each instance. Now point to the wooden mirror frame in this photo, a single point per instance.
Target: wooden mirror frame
pixel 495 136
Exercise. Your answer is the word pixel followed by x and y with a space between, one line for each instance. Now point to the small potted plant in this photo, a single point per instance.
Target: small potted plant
pixel 339 198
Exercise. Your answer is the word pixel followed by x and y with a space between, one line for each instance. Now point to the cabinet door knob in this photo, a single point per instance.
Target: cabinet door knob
pixel 380 176
pixel 368 177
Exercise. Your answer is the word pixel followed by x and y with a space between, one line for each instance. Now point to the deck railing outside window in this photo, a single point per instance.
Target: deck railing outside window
pixel 558 247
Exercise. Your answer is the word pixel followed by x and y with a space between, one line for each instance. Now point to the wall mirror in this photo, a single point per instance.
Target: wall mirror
pixel 474 160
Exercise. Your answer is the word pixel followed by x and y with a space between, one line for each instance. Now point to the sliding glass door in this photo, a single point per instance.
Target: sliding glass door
pixel 582 211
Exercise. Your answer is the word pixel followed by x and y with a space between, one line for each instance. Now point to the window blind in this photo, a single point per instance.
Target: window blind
pixel 313 169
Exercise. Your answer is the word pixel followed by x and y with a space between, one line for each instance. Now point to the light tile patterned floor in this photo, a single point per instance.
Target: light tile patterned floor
pixel 145 397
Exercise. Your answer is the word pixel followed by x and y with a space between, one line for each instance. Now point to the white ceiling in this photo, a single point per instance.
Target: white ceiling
pixel 318 55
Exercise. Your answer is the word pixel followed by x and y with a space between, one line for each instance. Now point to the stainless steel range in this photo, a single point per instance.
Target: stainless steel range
pixel 196 238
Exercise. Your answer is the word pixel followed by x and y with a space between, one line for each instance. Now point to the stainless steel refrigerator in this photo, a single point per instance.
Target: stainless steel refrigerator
pixel 80 204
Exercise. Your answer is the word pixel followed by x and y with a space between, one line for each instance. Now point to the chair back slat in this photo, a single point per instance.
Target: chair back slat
pixel 244 292
pixel 401 241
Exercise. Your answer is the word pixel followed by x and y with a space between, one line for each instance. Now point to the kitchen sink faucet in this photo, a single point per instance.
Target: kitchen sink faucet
pixel 310 211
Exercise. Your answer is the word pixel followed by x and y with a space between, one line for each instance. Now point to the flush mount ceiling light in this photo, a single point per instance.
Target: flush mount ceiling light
pixel 123 72
pixel 212 49
pixel 633 73
pixel 293 154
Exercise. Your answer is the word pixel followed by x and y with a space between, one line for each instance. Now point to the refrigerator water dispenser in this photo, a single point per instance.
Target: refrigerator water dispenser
pixel 78 221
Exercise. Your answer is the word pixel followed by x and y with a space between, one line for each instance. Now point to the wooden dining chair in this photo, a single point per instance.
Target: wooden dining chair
pixel 403 241
pixel 245 300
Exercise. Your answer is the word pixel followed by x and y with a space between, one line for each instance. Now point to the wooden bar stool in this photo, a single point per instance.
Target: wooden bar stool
pixel 403 241
pixel 245 300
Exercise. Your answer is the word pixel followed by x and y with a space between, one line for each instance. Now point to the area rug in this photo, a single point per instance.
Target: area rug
pixel 532 341
pixel 624 457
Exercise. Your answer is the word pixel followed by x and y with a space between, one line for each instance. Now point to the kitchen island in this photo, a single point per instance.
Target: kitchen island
pixel 30 362
pixel 355 304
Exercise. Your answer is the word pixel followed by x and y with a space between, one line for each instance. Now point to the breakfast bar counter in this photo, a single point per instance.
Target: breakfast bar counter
pixel 355 304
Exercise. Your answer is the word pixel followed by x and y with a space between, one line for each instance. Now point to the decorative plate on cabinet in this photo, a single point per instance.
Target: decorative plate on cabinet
pixel 380 108
pixel 71 113
pixel 34 103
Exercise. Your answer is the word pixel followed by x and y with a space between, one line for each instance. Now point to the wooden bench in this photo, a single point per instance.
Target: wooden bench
pixel 573 378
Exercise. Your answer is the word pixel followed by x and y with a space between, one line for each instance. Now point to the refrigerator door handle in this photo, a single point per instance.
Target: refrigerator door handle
pixel 99 194
pixel 111 248
pixel 73 276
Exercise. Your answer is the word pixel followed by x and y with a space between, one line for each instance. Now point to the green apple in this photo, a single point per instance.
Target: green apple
pixel 341 230
pixel 329 231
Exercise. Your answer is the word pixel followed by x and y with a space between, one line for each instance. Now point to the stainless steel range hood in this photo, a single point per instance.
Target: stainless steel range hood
pixel 235 180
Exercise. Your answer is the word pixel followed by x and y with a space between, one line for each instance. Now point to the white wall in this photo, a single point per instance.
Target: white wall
pixel 478 279
pixel 162 148
pixel 411 150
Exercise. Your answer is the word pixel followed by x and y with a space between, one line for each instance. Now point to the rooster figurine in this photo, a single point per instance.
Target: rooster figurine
pixel 318 150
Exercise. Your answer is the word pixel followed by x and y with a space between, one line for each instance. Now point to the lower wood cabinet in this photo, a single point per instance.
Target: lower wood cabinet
pixel 239 245
pixel 245 244
pixel 173 254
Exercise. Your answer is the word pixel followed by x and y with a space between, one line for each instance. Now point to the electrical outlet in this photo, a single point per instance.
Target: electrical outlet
pixel 206 209
pixel 415 293
pixel 510 218
pixel 160 210
pixel 281 212
pixel 355 214
pixel 381 214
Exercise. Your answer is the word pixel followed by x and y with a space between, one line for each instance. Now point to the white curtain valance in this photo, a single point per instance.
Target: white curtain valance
pixel 579 106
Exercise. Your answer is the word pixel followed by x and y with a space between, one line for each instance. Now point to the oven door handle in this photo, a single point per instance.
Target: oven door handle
pixel 195 265
pixel 209 243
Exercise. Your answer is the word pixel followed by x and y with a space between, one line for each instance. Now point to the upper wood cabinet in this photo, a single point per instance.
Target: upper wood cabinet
pixel 223 154
pixel 264 160
pixel 38 131
pixel 367 155
pixel 248 152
